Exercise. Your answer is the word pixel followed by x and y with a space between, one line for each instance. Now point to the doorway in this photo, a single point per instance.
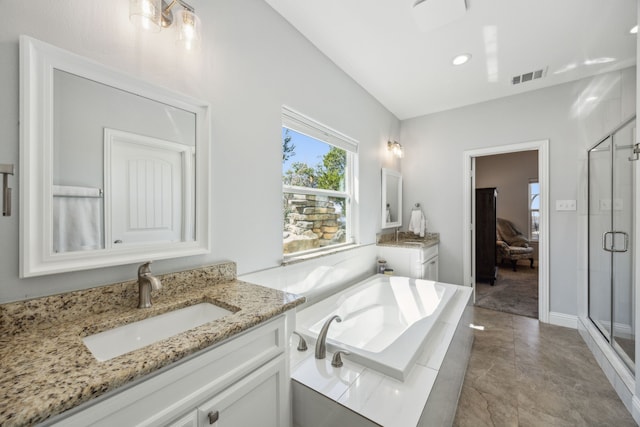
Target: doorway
pixel 469 213
pixel 507 231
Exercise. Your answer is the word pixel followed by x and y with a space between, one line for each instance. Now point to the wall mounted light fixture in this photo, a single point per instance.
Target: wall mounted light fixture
pixel 153 15
pixel 396 149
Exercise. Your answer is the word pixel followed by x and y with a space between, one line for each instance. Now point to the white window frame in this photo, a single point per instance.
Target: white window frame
pixel 300 123
pixel 532 237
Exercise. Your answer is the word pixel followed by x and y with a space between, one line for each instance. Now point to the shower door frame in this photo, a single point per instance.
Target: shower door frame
pixel 633 235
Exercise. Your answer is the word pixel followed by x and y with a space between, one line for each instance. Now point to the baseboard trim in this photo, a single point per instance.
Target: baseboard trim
pixel 561 319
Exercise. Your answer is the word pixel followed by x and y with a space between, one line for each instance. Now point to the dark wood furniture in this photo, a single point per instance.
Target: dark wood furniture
pixel 486 260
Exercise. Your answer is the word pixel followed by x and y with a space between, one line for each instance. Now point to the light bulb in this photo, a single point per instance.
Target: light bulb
pixel 398 151
pixel 188 27
pixel 146 14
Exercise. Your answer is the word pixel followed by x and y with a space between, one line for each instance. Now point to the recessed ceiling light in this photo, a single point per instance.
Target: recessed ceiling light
pixel 461 59
pixel 634 30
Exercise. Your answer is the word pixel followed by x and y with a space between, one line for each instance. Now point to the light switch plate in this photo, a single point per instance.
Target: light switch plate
pixel 565 205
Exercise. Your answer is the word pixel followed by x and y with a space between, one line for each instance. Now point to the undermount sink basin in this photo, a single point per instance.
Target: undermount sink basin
pixel 118 341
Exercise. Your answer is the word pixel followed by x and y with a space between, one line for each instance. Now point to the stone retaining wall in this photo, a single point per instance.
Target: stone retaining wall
pixel 311 222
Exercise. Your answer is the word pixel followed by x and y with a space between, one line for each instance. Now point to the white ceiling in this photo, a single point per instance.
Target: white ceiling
pixel 379 44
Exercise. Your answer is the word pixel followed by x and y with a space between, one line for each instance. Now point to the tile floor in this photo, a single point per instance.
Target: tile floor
pixel 526 373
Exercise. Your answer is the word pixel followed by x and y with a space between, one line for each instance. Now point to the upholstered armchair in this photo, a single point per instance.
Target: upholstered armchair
pixel 512 245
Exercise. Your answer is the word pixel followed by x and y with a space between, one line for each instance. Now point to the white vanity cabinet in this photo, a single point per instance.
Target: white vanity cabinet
pixel 190 420
pixel 411 261
pixel 241 382
pixel 431 267
pixel 253 401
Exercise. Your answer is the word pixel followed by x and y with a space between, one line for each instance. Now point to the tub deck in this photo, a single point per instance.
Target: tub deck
pixel 358 395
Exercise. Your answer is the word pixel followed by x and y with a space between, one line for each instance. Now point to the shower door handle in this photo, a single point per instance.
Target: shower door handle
pixel 612 248
pixel 604 241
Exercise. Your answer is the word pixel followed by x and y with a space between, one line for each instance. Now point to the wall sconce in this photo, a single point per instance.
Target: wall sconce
pixel 396 149
pixel 153 15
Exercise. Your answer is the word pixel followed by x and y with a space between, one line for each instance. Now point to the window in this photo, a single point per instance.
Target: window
pixel 534 209
pixel 317 185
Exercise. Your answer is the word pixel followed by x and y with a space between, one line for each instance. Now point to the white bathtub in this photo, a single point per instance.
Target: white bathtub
pixel 385 320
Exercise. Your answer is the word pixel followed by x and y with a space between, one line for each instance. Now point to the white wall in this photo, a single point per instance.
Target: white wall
pixel 565 114
pixel 251 63
pixel 510 174
pixel 322 276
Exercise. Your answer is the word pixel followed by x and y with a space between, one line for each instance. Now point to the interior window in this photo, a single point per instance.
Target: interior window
pixel 534 209
pixel 317 185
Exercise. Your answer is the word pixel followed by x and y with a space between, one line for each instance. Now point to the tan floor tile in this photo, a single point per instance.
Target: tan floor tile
pixel 494 344
pixel 525 373
pixel 477 408
pixel 491 320
pixel 534 418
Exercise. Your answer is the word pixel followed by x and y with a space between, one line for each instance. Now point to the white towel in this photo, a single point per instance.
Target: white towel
pixel 77 224
pixel 418 223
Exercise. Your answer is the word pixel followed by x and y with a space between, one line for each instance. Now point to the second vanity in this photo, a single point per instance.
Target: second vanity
pixel 212 372
pixel 409 255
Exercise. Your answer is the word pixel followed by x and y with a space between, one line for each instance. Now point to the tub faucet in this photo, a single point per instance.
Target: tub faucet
pixel 146 282
pixel 321 343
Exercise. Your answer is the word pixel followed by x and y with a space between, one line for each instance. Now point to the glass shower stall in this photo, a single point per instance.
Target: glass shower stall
pixel 611 209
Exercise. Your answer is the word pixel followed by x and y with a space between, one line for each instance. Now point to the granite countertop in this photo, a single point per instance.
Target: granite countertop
pixel 46 368
pixel 408 240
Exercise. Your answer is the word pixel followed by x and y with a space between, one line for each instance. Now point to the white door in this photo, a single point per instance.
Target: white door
pixel 145 190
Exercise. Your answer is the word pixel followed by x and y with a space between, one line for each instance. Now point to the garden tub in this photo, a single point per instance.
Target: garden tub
pixel 385 320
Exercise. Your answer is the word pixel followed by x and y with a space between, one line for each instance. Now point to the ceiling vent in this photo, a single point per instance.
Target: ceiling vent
pixel 527 77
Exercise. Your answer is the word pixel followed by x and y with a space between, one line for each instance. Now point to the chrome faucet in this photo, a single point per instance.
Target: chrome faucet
pixel 321 342
pixel 302 344
pixel 146 282
pixel 336 362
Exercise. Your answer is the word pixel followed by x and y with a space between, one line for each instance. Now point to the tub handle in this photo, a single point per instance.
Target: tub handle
pixel 302 344
pixel 336 362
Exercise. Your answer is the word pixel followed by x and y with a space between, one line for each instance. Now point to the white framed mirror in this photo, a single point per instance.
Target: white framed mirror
pixel 113 170
pixel 391 198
